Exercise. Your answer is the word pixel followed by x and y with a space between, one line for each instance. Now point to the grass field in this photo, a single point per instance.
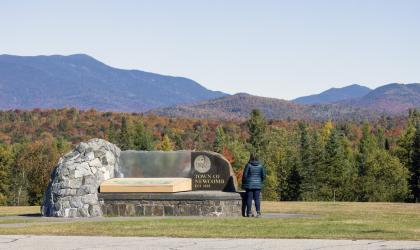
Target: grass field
pixel 339 220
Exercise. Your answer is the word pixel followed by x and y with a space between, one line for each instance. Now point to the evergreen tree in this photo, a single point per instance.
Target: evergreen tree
pixel 334 174
pixel 220 140
pixel 414 180
pixel 366 147
pixel 404 150
pixel 306 170
pixel 124 139
pixel 112 133
pixel 142 138
pixel 257 127
pixel 310 191
pixel 292 192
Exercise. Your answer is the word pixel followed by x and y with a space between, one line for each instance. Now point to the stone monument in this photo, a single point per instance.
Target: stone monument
pixel 97 178
pixel 73 187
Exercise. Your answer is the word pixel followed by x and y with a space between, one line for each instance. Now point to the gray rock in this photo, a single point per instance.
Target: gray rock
pixel 90 199
pixel 82 169
pixel 95 163
pixel 70 212
pixel 95 210
pixel 83 212
pixel 89 156
pixel 74 183
pixel 89 180
pixel 66 192
pixel 76 202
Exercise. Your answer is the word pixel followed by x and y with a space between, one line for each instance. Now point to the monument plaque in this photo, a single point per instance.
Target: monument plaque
pixel 211 172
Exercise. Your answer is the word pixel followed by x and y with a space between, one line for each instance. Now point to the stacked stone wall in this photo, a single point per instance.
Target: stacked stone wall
pixel 217 208
pixel 74 183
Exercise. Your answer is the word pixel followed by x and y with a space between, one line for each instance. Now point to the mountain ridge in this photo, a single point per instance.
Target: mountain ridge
pixel 238 107
pixel 334 95
pixel 391 98
pixel 82 81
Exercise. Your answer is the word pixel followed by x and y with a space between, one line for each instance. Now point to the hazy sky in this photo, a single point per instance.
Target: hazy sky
pixel 280 49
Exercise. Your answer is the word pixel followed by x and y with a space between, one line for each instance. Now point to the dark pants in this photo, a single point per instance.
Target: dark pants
pixel 253 194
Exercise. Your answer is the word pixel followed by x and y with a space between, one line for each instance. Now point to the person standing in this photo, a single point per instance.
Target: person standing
pixel 252 181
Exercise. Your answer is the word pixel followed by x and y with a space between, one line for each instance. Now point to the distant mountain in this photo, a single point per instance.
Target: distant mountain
pixel 334 95
pixel 238 107
pixel 80 81
pixel 392 98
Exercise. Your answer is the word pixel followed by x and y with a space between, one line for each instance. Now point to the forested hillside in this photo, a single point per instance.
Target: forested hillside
pixel 334 95
pixel 346 161
pixel 239 106
pixel 391 98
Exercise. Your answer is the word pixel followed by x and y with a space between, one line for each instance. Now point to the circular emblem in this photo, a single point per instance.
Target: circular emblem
pixel 202 164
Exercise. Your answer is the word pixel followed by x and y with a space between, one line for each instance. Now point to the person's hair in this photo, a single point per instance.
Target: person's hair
pixel 253 157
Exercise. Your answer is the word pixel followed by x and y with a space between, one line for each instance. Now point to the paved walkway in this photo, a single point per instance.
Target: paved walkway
pixel 87 242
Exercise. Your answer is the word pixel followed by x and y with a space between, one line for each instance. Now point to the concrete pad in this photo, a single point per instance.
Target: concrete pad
pixel 88 242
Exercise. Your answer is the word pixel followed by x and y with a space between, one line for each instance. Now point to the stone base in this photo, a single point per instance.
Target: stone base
pixel 193 203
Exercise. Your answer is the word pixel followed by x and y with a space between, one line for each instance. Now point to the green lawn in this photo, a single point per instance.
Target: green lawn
pixel 9 211
pixel 336 221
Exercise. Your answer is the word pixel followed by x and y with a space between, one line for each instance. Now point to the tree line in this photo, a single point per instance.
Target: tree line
pixel 305 160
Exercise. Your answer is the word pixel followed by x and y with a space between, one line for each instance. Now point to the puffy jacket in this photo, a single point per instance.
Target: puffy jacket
pixel 253 176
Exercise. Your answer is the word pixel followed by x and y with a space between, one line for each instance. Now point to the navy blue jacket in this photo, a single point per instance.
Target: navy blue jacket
pixel 253 176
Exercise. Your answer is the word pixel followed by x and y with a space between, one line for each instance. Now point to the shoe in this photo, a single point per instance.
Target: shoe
pixel 258 215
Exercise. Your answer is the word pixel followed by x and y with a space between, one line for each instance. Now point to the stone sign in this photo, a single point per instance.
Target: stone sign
pixel 210 171
pixel 73 189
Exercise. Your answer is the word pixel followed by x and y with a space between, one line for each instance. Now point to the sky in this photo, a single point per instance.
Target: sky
pixel 281 49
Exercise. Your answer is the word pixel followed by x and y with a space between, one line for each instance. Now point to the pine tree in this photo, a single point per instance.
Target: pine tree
pixel 294 180
pixel 111 133
pixel 414 180
pixel 366 147
pixel 334 173
pixel 317 161
pixel 124 141
pixel 306 170
pixel 220 140
pixel 257 127
pixel 405 143
pixel 142 138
